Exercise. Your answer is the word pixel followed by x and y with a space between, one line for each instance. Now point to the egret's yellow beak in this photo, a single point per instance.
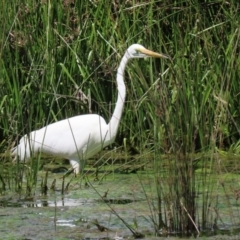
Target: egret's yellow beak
pixel 153 54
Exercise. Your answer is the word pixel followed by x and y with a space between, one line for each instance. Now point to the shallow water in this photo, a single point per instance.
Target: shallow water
pixel 83 212
pixel 74 214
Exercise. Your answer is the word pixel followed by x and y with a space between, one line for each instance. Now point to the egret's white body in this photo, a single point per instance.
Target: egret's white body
pixel 81 137
pixel 64 137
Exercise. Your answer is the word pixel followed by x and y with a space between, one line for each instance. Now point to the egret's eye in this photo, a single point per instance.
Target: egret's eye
pixel 137 52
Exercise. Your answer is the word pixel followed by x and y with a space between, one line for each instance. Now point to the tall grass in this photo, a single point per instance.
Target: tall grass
pixel 52 50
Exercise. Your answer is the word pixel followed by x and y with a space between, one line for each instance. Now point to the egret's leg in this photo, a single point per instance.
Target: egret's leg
pixel 75 165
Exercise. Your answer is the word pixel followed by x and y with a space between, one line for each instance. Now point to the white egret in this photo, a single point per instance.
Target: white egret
pixel 79 138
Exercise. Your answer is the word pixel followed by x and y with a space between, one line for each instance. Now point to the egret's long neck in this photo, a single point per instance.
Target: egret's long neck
pixel 117 114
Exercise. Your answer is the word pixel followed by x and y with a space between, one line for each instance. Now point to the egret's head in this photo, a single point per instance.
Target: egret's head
pixel 138 51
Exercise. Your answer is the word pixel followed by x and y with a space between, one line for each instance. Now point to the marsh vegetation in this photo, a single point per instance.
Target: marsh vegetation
pixel 179 133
